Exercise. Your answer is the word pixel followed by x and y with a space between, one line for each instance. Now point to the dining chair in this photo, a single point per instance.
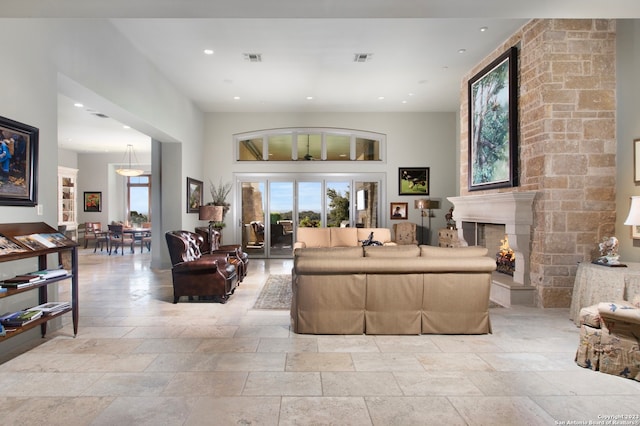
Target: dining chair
pixel 119 238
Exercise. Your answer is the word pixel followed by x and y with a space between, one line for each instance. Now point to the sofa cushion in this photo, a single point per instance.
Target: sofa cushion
pixel 392 251
pixel 589 348
pixel 314 237
pixel 453 252
pixel 343 237
pixel 329 252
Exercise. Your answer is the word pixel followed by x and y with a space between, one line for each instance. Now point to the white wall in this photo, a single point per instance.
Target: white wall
pixel 628 129
pixel 413 140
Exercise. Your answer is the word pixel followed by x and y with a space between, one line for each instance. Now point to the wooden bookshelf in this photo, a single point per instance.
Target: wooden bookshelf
pixel 61 245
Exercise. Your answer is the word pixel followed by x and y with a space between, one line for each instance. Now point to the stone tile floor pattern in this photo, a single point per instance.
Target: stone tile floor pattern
pixel 141 360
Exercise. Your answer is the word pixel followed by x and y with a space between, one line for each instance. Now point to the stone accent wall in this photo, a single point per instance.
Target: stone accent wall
pixel 567 145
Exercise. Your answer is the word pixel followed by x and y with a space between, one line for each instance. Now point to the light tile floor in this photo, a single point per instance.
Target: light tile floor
pixel 139 359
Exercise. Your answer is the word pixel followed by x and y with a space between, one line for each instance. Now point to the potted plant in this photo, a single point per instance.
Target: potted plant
pixel 219 194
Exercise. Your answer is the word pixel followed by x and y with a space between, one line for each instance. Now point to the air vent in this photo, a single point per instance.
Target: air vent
pixel 253 57
pixel 101 115
pixel 362 57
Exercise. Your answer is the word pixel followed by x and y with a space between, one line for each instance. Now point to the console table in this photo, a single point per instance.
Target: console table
pixel 597 283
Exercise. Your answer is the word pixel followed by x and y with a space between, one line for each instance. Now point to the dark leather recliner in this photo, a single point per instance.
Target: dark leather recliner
pixel 233 250
pixel 195 274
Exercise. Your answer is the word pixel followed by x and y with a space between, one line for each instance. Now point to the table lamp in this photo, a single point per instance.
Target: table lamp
pixel 212 214
pixel 633 218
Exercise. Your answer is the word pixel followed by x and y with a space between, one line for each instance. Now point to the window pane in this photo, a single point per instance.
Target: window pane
pixel 279 147
pixel 367 150
pixel 338 147
pixel 251 150
pixel 309 147
pixel 309 204
pixel 338 203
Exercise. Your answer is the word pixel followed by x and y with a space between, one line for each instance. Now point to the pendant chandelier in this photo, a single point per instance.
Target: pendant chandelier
pixel 129 171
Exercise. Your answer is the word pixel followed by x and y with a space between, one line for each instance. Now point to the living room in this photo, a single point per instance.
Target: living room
pixel 186 142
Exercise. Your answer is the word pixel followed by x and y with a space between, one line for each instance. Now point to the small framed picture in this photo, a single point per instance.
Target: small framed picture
pixel 636 160
pixel 398 211
pixel 194 195
pixel 635 232
pixel 93 201
pixel 413 181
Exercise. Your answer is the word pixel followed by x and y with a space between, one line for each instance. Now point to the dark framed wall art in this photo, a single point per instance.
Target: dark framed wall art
pixel 93 201
pixel 493 124
pixel 18 163
pixel 195 196
pixel 413 181
pixel 398 211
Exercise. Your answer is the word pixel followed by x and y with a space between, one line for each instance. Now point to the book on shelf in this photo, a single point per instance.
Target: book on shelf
pixel 7 246
pixel 21 279
pixel 44 241
pixel 50 308
pixel 19 318
pixel 50 273
pixel 18 285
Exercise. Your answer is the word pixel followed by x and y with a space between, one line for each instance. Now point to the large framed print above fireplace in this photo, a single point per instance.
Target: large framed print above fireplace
pixel 493 124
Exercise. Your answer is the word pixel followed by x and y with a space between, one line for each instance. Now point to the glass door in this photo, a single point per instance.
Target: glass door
pixel 252 223
pixel 274 206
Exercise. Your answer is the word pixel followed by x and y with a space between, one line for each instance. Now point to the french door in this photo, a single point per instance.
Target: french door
pixel 273 206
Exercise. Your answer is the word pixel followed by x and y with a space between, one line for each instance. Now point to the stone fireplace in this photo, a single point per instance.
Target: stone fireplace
pixel 514 211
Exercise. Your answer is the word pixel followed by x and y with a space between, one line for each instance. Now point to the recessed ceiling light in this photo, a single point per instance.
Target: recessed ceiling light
pixel 404 102
pixel 78 105
pixel 208 51
pixel 462 50
pixel 126 127
pixel 380 98
pixel 237 98
pixel 410 94
pixel 309 98
pixel 483 29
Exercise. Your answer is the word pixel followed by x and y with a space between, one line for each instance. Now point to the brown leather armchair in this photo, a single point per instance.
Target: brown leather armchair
pixel 195 274
pixel 233 250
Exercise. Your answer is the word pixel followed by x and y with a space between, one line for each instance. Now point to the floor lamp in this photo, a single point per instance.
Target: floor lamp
pixel 212 214
pixel 428 205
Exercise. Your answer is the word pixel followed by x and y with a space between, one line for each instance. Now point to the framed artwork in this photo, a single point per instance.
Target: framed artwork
pixel 413 181
pixel 18 163
pixel 493 124
pixel 194 195
pixel 635 232
pixel 636 160
pixel 398 211
pixel 93 201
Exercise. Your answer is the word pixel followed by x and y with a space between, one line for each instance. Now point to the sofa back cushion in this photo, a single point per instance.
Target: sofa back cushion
pixel 314 237
pixel 344 237
pixel 379 234
pixel 453 252
pixel 329 252
pixel 391 251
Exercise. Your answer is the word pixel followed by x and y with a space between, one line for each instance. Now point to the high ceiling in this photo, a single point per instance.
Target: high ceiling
pixel 307 48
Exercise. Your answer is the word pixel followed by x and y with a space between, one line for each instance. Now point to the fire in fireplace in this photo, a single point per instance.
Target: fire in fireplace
pixel 505 258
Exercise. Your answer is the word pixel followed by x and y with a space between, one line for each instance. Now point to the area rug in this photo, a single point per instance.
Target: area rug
pixel 276 293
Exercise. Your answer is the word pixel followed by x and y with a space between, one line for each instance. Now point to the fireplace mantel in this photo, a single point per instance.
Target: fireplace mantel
pixel 512 209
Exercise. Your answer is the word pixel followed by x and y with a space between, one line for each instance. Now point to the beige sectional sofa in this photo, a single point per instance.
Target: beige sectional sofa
pixel 391 290
pixel 339 237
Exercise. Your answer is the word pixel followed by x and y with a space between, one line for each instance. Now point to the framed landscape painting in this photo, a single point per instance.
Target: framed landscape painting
pixel 195 196
pixel 493 121
pixel 18 163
